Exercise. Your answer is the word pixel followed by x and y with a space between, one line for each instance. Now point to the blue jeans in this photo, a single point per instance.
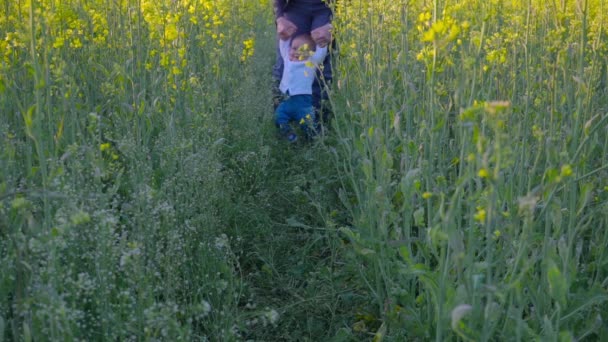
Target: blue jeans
pixel 296 108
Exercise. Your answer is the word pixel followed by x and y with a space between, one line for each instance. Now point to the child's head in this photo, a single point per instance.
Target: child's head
pixel 302 47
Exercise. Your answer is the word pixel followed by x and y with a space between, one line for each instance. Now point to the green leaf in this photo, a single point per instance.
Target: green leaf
pixel 2 326
pixel 342 335
pixel 419 217
pixel 405 254
pixel 379 336
pixel 565 336
pixel 584 300
pixel 27 335
pixel 349 233
pixel 293 222
pixel 387 160
pixel 458 313
pixel 558 286
pixel 368 168
pixel 364 251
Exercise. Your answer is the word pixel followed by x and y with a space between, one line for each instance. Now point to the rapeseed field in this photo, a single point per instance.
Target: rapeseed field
pixel 458 193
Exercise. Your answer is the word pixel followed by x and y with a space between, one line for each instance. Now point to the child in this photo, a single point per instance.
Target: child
pixel 300 58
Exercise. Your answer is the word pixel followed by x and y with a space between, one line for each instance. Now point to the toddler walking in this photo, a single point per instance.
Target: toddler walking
pixel 300 58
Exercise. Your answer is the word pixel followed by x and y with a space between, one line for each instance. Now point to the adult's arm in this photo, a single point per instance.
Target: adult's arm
pixel 285 28
pixel 322 35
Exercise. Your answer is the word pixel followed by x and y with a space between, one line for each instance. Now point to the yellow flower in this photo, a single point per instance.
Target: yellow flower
pixel 59 41
pixel 497 234
pixel 171 32
pixel 104 147
pixel 566 171
pixel 483 173
pixel 76 43
pixel 248 49
pixel 427 195
pixel 480 215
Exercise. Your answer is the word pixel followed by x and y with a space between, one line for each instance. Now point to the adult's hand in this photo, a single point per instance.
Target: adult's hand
pixel 322 35
pixel 285 28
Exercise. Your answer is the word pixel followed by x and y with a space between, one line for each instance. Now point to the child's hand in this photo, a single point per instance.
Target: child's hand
pixel 285 28
pixel 322 35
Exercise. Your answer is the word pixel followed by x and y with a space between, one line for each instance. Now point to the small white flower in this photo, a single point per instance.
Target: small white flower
pixel 272 316
pixel 206 308
pixel 222 242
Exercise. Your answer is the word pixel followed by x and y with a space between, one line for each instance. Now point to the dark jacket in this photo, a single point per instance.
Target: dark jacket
pixel 281 5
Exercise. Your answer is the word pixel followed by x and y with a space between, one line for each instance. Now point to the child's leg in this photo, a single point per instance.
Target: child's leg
pixel 308 122
pixel 282 116
pixel 306 116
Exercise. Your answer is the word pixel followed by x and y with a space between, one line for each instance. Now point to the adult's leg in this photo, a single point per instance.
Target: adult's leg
pixel 320 98
pixel 321 17
pixel 277 73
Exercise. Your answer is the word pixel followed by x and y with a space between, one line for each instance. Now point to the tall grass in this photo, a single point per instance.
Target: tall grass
pixel 112 119
pixel 460 193
pixel 473 150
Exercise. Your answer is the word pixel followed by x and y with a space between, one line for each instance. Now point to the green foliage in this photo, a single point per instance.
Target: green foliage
pixel 459 194
pixel 474 177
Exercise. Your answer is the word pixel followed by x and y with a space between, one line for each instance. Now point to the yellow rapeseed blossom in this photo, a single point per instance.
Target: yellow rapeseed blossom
pixel 480 215
pixel 566 171
pixel 171 32
pixel 483 173
pixel 76 43
pixel 104 147
pixel 248 49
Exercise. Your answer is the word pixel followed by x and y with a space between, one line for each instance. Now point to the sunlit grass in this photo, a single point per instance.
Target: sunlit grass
pixel 472 150
pixel 143 195
pixel 109 119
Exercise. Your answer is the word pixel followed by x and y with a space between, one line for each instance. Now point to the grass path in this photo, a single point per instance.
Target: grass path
pixel 287 255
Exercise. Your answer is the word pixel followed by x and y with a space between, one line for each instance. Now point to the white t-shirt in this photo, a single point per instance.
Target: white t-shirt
pixel 298 75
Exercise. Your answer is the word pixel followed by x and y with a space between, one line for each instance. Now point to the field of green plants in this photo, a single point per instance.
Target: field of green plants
pixel 459 193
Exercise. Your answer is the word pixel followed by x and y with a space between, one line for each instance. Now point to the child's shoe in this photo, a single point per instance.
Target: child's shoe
pixel 291 137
